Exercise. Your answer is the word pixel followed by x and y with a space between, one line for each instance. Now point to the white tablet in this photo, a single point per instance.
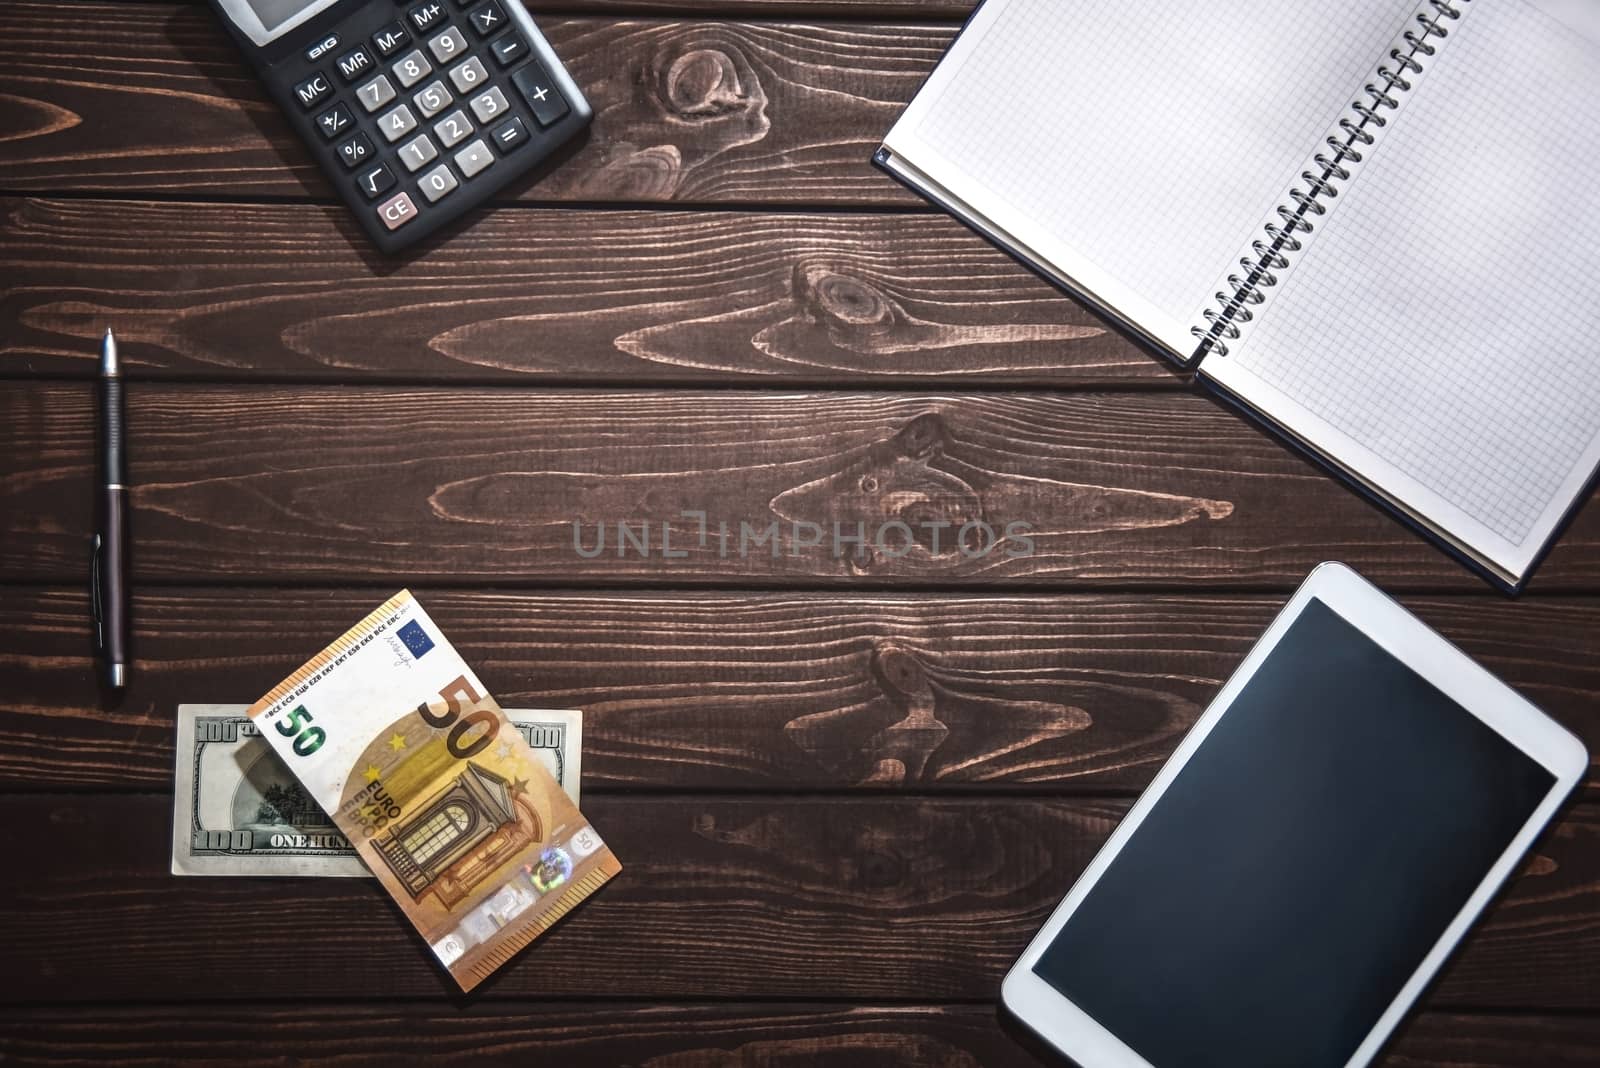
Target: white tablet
pixel 1310 855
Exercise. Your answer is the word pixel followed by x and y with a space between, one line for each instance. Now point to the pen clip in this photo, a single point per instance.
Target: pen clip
pixel 96 598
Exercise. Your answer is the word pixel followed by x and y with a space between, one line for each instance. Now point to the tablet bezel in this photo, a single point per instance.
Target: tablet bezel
pixel 1075 1033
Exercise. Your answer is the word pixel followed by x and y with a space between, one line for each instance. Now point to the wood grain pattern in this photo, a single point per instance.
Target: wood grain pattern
pixel 568 295
pixel 808 898
pixel 512 486
pixel 753 692
pixel 153 98
pixel 669 1036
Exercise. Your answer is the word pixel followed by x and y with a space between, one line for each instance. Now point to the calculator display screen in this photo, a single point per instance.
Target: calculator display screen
pixel 274 13
pixel 264 20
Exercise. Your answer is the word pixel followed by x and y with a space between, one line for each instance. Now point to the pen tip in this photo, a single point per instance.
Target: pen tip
pixel 108 354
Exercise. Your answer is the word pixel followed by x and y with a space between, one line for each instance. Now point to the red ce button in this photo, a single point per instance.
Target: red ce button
pixel 397 211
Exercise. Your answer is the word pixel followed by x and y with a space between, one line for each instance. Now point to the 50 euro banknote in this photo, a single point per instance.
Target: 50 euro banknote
pixel 396 738
pixel 238 811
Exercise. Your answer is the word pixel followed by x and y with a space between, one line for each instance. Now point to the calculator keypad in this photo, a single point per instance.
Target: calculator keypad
pixel 397 123
pixel 407 103
pixel 417 152
pixel 438 183
pixel 448 46
pixel 474 159
pixel 428 16
pixel 469 75
pixel 390 39
pixel 433 99
pixel 335 121
pixel 490 104
pixel 356 63
pixel 375 93
pixel 453 129
pixel 411 68
pixel 488 19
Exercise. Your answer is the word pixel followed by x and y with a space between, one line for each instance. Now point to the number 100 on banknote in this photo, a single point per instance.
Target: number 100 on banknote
pixel 397 739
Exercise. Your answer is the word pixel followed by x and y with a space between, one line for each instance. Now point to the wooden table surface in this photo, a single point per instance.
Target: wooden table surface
pixel 846 789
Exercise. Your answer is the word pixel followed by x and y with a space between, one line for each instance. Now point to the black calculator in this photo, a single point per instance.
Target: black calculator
pixel 418 110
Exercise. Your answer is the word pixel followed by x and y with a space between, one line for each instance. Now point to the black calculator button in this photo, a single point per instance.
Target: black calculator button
pixel 469 76
pixel 375 93
pixel 356 63
pixel 509 49
pixel 411 68
pixel 432 99
pixel 541 94
pixel 427 16
pixel 335 122
pixel 376 181
pixel 322 48
pixel 449 46
pixel 475 158
pixel 390 39
pixel 488 20
pixel 510 135
pixel 356 151
pixel 397 211
pixel 313 90
pixel 438 183
pixel 417 152
pixel 397 123
pixel 453 129
pixel 490 105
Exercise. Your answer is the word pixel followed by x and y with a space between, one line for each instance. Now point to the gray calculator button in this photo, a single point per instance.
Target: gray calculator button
pixel 433 99
pixel 411 68
pixel 417 151
pixel 375 93
pixel 449 45
pixel 474 158
pixel 469 76
pixel 397 124
pixel 490 105
pixel 453 128
pixel 437 183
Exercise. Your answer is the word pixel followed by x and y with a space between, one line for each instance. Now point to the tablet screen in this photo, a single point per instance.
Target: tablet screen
pixel 1302 863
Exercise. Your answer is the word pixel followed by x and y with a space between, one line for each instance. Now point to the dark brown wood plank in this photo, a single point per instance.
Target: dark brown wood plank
pixel 153 98
pixel 683 1036
pixel 841 9
pixel 731 691
pixel 540 295
pixel 403 485
pixel 785 897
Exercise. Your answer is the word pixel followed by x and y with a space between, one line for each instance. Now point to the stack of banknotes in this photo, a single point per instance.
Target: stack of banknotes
pixel 384 756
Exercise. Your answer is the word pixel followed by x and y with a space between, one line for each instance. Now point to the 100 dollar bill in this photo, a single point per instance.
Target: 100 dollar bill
pixel 238 811
pixel 396 738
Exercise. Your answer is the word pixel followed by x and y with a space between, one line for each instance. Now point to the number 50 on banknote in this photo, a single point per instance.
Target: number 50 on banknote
pixel 397 739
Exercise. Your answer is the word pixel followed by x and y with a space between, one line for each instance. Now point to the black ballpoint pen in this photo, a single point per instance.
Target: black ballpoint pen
pixel 108 569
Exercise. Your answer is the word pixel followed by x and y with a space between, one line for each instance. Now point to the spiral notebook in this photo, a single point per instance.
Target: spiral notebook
pixel 1371 223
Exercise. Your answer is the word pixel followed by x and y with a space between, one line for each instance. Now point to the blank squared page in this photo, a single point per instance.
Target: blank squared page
pixel 1147 139
pixel 1447 318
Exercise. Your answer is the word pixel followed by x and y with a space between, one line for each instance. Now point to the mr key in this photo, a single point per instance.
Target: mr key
pixel 417 112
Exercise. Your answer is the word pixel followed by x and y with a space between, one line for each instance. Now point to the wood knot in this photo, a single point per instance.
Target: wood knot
pixel 899 672
pixel 921 437
pixel 845 300
pixel 707 83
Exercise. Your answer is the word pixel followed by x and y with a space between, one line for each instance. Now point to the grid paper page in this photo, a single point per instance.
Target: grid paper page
pixel 1448 318
pixel 1149 137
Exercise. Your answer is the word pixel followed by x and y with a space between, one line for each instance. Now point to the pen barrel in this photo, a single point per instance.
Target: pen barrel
pixel 114 574
pixel 116 468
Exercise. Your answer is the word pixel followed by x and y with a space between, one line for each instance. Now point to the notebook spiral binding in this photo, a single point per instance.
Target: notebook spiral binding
pixel 1222 322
